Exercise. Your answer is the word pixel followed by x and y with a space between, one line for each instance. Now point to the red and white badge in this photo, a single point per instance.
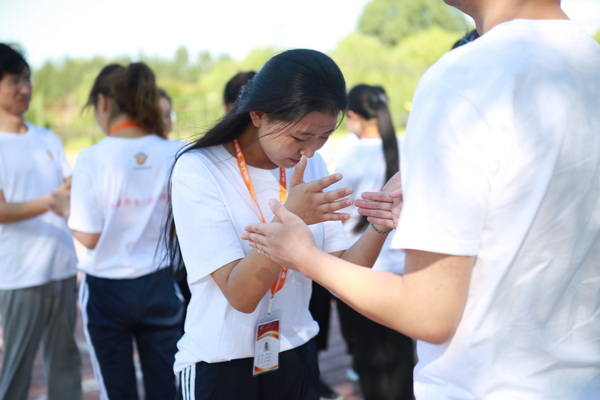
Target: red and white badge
pixel 266 346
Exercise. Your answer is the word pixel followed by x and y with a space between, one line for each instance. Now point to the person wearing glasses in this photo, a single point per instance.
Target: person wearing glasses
pixel 37 256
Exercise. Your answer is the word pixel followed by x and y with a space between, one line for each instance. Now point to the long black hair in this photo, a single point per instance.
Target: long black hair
pixel 371 102
pixel 289 86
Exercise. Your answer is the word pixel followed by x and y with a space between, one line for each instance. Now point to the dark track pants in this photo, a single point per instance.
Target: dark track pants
pixel 320 308
pixel 383 358
pixel 116 312
pixel 296 379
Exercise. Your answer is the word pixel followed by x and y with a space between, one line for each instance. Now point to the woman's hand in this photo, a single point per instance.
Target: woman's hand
pixel 383 208
pixel 309 202
pixel 288 243
pixel 60 200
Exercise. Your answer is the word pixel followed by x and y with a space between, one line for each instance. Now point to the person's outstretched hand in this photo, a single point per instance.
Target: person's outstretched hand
pixel 383 208
pixel 60 200
pixel 309 201
pixel 288 243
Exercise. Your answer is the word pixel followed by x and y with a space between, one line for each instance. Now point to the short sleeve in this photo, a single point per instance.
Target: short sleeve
pixel 445 176
pixel 2 177
pixel 334 235
pixel 64 164
pixel 59 153
pixel 206 234
pixel 86 215
pixel 350 169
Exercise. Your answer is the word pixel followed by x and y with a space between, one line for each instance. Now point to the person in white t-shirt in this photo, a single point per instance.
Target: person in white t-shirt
pixel 118 203
pixel 501 215
pixel 248 331
pixel 37 257
pixel 382 357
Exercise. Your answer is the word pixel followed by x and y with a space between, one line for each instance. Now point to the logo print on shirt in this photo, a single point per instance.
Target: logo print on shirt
pixel 50 155
pixel 140 158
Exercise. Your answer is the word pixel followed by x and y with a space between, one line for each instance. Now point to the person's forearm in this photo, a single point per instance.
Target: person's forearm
pixel 412 304
pixel 249 280
pixel 366 249
pixel 14 212
pixel 88 240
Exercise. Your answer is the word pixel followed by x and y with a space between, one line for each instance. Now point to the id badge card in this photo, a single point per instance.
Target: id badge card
pixel 266 345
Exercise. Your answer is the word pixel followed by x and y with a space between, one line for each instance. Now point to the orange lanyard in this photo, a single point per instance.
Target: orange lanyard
pixel 241 162
pixel 123 125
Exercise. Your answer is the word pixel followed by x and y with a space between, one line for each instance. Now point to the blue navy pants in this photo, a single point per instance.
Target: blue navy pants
pixel 117 312
pixel 296 379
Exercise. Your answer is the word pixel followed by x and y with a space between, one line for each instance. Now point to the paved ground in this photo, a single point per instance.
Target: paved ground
pixel 333 363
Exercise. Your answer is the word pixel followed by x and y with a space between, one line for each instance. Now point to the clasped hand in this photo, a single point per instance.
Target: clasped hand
pixel 289 242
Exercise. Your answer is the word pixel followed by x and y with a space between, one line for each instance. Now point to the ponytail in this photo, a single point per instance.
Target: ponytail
pixel 371 102
pixel 134 91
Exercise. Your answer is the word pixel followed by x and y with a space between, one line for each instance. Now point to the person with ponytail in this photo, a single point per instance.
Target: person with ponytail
pixel 118 203
pixel 248 331
pixel 382 357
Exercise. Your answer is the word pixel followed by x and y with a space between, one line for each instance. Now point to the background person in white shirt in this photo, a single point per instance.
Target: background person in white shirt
pixel 501 216
pixel 37 257
pixel 382 357
pixel 284 114
pixel 118 203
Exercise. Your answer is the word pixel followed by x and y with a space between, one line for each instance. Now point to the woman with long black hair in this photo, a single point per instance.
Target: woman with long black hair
pixel 382 357
pixel 248 331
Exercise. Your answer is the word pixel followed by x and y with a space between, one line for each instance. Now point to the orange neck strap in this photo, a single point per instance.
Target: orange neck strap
pixel 243 167
pixel 124 125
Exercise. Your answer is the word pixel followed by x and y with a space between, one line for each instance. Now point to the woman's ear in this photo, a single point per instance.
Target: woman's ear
pixel 102 103
pixel 351 114
pixel 257 118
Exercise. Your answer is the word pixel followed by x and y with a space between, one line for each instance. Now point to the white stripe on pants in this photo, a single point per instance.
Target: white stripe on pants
pixel 84 295
pixel 187 379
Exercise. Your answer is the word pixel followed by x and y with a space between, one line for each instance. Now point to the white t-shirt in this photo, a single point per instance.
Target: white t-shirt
pixel 363 168
pixel 120 191
pixel 211 207
pixel 37 250
pixel 336 148
pixel 502 161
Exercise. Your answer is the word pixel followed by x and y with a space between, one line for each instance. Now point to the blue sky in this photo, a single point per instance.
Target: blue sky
pixel 52 29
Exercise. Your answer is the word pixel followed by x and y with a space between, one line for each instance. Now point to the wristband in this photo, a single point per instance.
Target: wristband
pixel 380 231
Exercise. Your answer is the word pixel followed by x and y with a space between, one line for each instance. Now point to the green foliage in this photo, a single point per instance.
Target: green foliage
pixel 597 36
pixel 364 59
pixel 391 21
pixel 195 84
pixel 195 81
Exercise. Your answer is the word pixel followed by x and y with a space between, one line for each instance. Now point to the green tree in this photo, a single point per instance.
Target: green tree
pixel 364 59
pixel 393 20
pixel 597 36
